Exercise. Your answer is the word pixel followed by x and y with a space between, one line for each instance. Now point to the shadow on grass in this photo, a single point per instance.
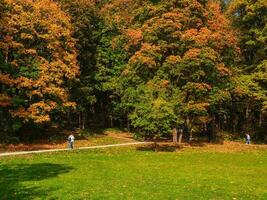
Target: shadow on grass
pixel 13 180
pixel 160 148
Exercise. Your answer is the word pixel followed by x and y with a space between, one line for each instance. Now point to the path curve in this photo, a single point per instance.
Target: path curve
pixel 80 148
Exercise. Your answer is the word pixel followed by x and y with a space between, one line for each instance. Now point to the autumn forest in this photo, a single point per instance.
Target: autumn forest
pixel 149 66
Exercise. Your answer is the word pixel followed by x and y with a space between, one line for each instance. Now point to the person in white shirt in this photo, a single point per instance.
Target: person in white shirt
pixel 71 141
pixel 247 138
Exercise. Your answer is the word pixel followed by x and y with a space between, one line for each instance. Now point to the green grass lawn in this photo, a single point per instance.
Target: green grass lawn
pixel 127 173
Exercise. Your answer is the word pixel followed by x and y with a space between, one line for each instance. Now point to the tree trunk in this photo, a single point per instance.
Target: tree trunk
pixel 111 121
pixel 205 127
pixel 83 120
pixel 180 136
pixel 80 120
pixel 69 121
pixel 155 144
pixel 247 121
pixel 121 121
pixel 189 128
pixel 260 119
pixel 128 124
pixel 174 135
pixel 247 111
pixel 213 128
pixel 235 121
pixel 190 135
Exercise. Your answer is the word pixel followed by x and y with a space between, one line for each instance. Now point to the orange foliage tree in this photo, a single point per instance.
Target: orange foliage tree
pixel 38 58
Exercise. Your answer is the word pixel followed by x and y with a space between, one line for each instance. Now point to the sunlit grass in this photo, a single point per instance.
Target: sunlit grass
pixel 128 173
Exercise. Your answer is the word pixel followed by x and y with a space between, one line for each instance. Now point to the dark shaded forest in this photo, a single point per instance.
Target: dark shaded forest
pixel 149 66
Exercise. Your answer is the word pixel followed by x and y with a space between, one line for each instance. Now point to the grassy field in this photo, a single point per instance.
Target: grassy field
pixel 136 173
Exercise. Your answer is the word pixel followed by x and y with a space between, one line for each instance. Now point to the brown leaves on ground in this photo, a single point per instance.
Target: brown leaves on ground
pixel 226 147
pixel 230 146
pixel 107 137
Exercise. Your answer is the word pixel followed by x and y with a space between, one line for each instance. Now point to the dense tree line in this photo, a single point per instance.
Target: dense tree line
pixel 151 66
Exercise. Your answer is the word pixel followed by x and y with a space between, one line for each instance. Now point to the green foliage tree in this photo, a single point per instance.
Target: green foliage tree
pixel 183 47
pixel 250 19
pixel 85 21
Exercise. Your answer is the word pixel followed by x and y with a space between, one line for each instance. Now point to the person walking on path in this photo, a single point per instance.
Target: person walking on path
pixel 71 141
pixel 247 138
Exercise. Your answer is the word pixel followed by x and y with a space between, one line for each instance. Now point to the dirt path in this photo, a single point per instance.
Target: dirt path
pixel 80 148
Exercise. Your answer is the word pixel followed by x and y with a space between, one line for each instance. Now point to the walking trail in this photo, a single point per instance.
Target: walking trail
pixel 80 148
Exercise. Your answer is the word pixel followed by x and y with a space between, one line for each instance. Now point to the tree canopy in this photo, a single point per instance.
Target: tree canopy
pixel 38 56
pixel 150 66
